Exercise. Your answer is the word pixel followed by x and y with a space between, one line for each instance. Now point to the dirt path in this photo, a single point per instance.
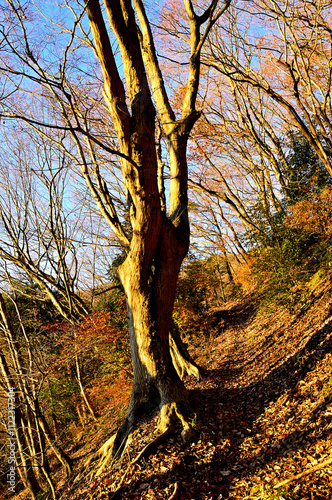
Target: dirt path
pixel 264 413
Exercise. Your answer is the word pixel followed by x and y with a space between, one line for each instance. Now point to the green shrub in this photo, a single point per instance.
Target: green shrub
pixel 61 396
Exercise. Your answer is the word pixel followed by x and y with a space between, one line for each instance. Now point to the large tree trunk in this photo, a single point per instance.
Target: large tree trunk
pixel 157 244
pixel 150 304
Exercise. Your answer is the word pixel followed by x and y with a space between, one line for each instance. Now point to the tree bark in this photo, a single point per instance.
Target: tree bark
pixel 157 384
pixel 159 242
pixel 182 361
pixel 60 454
pixel 82 388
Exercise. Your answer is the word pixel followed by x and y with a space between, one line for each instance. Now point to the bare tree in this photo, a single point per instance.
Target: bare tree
pixel 41 231
pixel 241 162
pixel 283 49
pixel 158 239
pixel 37 229
pixel 24 373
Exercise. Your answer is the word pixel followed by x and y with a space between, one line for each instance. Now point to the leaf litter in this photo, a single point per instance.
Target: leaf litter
pixel 264 416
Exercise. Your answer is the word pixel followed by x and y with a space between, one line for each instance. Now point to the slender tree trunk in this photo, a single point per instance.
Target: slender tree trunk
pixel 221 284
pixel 61 455
pixel 82 388
pixel 31 434
pixel 28 475
pixel 44 464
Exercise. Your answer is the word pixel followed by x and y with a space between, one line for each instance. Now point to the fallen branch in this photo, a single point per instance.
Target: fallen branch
pixel 305 473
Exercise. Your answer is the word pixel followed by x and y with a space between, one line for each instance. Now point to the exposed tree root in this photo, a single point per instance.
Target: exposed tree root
pixel 105 454
pixel 147 449
pixel 171 412
pixel 182 361
pixel 114 447
pixel 171 398
pixel 102 452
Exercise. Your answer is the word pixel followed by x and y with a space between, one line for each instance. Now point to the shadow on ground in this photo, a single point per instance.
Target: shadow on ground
pixel 228 414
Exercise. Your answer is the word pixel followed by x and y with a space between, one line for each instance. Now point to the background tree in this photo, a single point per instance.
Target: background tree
pixel 249 158
pixel 305 172
pixel 44 231
pixel 284 50
pixel 21 369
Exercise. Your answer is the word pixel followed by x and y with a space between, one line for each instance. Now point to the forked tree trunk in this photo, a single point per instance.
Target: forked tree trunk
pixel 157 244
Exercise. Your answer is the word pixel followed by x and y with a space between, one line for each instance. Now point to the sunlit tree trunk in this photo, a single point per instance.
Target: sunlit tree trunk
pixel 150 305
pixel 159 241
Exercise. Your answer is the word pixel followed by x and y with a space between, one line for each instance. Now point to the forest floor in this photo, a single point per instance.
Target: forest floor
pixel 264 415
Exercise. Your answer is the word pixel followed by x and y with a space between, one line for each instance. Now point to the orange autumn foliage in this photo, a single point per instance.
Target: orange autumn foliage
pixel 313 215
pixel 104 356
pixel 245 276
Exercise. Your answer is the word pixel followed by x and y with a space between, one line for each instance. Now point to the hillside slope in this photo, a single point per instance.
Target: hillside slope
pixel 264 413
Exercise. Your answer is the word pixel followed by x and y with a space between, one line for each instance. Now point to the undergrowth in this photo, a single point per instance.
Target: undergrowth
pixel 285 267
pixel 261 493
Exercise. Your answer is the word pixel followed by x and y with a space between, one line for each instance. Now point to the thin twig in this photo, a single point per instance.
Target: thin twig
pixel 175 494
pixel 305 473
